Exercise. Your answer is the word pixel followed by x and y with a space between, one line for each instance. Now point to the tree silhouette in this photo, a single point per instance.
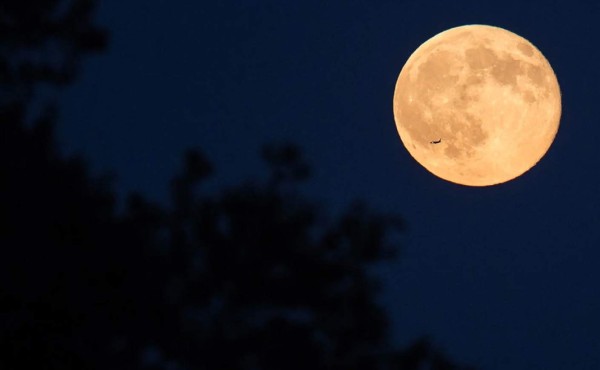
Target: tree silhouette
pixel 254 277
pixel 41 42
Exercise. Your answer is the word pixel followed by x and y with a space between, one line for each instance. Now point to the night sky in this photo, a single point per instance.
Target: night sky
pixel 502 277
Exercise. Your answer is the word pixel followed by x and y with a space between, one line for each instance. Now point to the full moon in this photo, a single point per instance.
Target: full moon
pixel 477 105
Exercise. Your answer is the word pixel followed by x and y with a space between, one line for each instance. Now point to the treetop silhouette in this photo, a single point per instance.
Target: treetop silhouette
pixel 254 277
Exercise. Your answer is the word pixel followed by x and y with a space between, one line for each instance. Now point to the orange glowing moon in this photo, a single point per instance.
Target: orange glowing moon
pixel 477 105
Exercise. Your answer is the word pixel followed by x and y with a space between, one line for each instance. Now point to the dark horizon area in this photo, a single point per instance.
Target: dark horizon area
pixel 500 277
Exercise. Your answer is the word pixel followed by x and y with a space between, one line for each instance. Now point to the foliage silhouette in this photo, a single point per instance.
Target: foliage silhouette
pixel 253 277
pixel 42 41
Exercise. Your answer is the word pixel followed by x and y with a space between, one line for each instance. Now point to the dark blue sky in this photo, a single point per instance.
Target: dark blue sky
pixel 504 277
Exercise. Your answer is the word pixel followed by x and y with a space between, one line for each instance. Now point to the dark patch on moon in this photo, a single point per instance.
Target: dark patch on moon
pixel 505 71
pixel 536 74
pixel 524 48
pixel 529 97
pixel 452 151
pixel 462 133
pixel 480 57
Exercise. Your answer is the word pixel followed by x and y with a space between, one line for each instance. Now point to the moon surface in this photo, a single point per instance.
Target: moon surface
pixel 477 105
